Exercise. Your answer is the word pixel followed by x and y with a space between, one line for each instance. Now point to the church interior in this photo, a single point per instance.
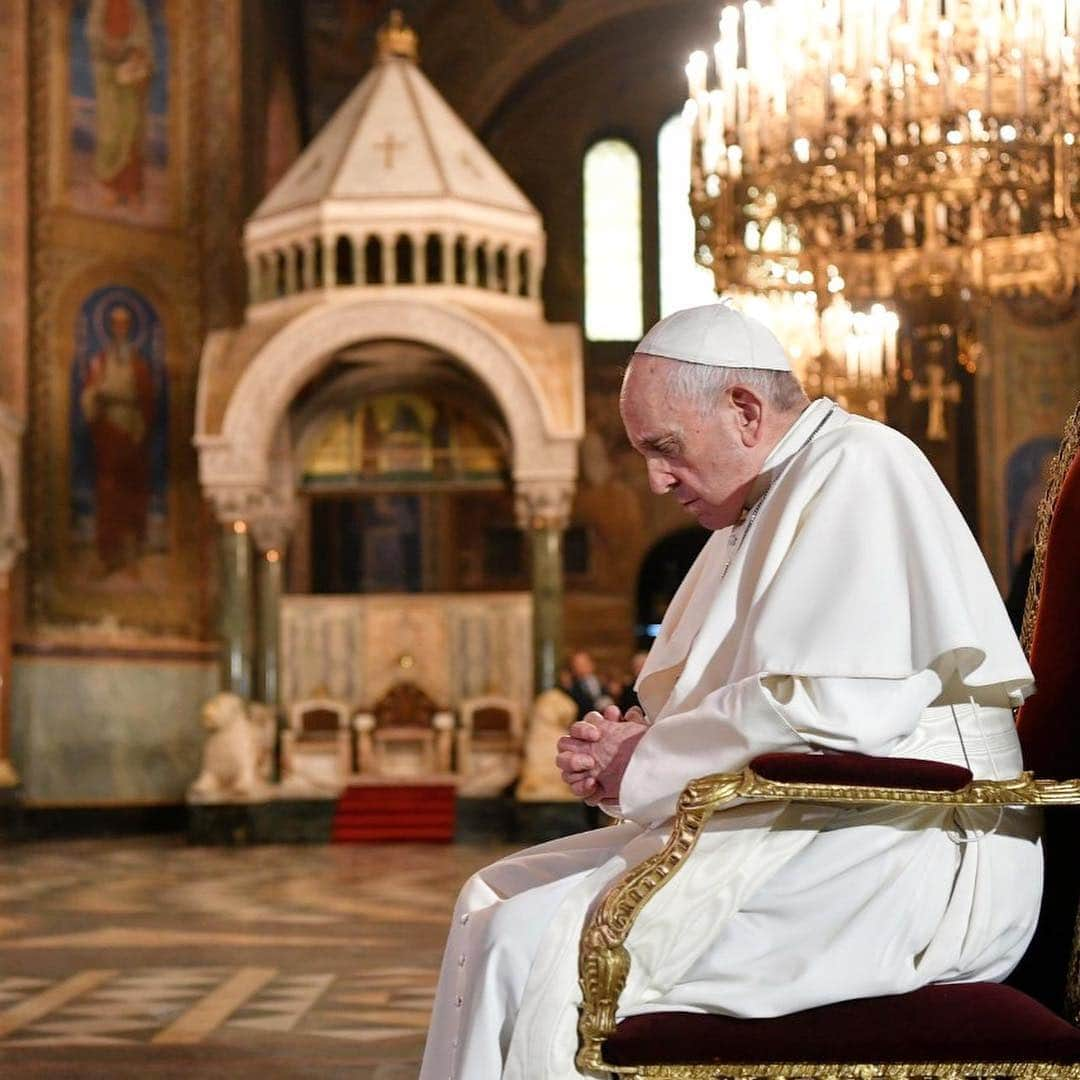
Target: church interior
pixel 317 517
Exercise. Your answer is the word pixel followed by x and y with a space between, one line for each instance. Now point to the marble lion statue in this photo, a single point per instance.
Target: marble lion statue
pixel 238 749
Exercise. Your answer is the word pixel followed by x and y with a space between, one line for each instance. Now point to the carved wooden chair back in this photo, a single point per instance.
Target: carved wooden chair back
pixel 318 719
pixel 404 705
pixel 492 716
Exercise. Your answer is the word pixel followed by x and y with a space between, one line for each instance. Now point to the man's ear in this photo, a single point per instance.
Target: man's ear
pixel 749 415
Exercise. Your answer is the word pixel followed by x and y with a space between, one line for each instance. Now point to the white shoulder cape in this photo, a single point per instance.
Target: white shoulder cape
pixel 857 564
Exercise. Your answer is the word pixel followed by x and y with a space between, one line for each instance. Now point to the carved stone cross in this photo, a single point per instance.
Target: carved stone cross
pixel 470 165
pixel 388 145
pixel 936 393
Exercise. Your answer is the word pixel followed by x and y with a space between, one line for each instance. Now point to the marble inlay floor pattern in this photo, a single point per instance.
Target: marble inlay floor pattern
pixel 124 958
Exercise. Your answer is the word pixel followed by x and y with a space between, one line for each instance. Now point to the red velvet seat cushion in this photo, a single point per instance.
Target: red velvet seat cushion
pixel 861 770
pixel 968 1022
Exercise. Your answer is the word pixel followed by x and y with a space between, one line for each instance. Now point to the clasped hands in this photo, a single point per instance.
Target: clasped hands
pixel 593 756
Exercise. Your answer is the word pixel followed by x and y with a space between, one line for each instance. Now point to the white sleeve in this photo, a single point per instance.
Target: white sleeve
pixel 765 713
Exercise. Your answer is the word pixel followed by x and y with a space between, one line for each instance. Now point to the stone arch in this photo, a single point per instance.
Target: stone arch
pixel 301 349
pixel 662 569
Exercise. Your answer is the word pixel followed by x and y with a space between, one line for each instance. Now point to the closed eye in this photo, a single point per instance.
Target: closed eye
pixel 661 444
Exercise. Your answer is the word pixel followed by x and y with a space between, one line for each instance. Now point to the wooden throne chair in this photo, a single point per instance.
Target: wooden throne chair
pixel 955 1031
pixel 489 739
pixel 316 746
pixel 404 734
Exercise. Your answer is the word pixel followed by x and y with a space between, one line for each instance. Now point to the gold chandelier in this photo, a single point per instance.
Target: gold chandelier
pixel 920 152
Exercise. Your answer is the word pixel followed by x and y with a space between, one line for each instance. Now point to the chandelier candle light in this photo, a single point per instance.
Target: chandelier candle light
pixel 882 149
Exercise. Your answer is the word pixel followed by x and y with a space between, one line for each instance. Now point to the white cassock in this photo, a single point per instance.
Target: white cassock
pixel 857 613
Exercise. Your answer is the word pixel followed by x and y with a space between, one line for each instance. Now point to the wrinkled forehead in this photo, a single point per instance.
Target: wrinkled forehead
pixel 649 411
pixel 644 373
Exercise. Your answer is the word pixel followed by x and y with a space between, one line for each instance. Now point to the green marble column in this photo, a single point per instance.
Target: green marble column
pixel 235 613
pixel 268 625
pixel 8 777
pixel 547 589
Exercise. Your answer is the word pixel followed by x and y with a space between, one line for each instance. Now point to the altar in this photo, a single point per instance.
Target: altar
pixel 455 646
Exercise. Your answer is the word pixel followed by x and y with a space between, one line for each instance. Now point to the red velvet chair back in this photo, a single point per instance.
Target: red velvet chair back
pixel 1049 721
pixel 492 720
pixel 404 705
pixel 318 723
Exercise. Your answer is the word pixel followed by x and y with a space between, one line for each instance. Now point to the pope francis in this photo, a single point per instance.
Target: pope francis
pixel 840 604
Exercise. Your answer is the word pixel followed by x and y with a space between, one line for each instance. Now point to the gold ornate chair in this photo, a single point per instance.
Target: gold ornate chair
pixel 488 744
pixel 316 747
pixel 947 1031
pixel 404 734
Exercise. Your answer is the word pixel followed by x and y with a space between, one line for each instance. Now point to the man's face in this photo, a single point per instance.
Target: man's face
pixel 701 457
pixel 119 323
pixel 581 665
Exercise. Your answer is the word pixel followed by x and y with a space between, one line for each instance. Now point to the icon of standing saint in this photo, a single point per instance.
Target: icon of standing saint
pixel 119 424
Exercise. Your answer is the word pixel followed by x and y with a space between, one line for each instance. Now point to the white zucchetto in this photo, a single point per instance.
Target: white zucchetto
pixel 718 335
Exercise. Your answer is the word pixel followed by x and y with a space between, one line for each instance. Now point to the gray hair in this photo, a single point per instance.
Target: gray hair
pixel 702 384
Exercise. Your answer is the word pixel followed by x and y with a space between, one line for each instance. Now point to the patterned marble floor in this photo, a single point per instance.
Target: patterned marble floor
pixel 152 958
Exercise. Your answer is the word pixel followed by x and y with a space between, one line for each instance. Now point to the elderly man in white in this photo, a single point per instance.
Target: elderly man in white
pixel 841 604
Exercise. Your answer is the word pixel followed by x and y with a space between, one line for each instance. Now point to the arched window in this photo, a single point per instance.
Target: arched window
pixel 613 301
pixel 433 259
pixel 460 260
pixel 403 260
pixel 502 271
pixel 373 261
pixel 343 261
pixel 481 266
pixel 683 281
pixel 524 283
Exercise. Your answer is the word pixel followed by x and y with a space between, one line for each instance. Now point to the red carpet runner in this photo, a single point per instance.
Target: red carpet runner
pixel 394 812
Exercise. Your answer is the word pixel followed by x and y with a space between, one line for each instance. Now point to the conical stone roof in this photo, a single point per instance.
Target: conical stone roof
pixel 396 152
pixel 395 136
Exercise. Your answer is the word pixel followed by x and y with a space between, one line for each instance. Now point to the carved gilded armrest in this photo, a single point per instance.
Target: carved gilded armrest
pixel 604 961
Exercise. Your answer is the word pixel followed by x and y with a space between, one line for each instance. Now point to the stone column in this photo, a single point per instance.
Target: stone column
pixel 513 275
pixel 254 280
pixel 536 274
pixel 235 615
pixel 419 259
pixel 329 262
pixel 447 259
pixel 470 261
pixel 389 268
pixel 543 510
pixel 292 279
pixel 12 542
pixel 8 776
pixel 271 535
